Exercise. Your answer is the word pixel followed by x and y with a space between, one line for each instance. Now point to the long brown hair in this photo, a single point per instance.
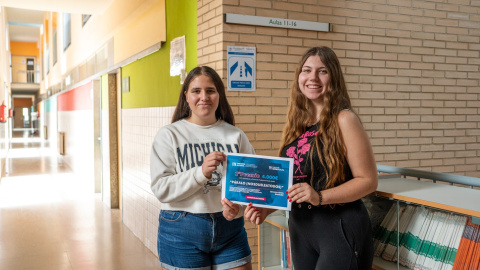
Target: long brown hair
pixel 224 111
pixel 336 99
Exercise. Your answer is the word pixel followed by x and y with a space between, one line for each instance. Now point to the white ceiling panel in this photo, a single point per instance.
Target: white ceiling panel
pixel 24 16
pixel 71 6
pixel 24 33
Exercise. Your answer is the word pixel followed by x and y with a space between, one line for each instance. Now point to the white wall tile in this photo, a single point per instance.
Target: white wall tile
pixel 140 206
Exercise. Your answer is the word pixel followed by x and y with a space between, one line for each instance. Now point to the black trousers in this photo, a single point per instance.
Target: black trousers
pixel 325 238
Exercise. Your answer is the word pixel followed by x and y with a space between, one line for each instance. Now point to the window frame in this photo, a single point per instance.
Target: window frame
pixel 67 30
pixel 85 18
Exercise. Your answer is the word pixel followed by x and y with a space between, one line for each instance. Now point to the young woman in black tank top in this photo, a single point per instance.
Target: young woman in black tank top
pixel 334 168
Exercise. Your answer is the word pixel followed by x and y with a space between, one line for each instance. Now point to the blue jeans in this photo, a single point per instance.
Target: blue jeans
pixel 201 241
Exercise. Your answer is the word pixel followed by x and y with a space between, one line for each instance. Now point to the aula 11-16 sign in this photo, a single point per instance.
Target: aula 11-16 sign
pixel 241 65
pixel 277 22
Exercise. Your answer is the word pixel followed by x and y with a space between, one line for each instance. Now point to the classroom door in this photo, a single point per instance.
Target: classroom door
pixel 21 118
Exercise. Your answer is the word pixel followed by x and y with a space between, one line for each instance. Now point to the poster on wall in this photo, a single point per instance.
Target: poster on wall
pixel 177 57
pixel 241 66
pixel 260 180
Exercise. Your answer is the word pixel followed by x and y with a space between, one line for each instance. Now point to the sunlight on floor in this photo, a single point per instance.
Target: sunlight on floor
pixel 42 189
pixel 27 140
pixel 51 218
pixel 30 152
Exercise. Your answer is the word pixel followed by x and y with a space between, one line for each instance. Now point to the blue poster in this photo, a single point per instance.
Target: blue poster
pixel 260 180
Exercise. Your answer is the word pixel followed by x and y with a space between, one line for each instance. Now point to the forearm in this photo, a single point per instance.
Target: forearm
pixel 349 191
pixel 170 188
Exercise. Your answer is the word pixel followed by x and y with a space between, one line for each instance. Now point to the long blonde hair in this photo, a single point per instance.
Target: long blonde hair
pixel 336 99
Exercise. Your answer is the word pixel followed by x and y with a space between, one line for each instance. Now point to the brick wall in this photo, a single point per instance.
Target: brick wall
pixel 412 69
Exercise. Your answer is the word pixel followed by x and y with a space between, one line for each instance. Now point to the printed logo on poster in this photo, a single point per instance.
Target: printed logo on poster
pixel 241 65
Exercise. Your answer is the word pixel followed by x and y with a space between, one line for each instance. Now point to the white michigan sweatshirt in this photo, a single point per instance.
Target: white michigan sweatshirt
pixel 176 162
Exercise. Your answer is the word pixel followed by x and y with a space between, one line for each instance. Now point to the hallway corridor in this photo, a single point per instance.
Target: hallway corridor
pixel 51 220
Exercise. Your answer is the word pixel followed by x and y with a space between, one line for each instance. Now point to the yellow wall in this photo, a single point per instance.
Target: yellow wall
pixel 24 48
pixel 19 68
pixel 4 86
pixel 100 29
pixel 20 51
pixel 132 26
pixel 4 68
pixel 54 74
pixel 142 33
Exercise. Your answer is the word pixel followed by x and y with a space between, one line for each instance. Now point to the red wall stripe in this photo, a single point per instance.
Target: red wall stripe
pixel 76 99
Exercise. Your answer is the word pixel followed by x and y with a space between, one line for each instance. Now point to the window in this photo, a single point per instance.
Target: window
pixel 67 33
pixel 85 18
pixel 54 47
pixel 26 117
pixel 47 59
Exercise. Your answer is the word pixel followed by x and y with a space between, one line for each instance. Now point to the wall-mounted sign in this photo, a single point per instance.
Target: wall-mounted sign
pixel 241 65
pixel 177 56
pixel 126 84
pixel 276 22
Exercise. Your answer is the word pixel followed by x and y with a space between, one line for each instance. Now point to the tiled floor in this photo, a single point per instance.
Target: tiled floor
pixel 51 220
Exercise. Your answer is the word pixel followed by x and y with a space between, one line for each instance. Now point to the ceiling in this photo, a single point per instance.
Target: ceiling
pixel 24 24
pixel 25 18
pixel 70 6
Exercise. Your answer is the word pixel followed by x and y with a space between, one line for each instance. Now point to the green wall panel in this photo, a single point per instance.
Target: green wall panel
pixel 150 81
pixel 49 104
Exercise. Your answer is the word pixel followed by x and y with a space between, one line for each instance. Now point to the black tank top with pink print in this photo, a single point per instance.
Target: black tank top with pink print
pixel 302 171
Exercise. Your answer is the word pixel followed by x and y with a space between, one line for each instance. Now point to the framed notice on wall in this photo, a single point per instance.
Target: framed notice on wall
pixel 177 57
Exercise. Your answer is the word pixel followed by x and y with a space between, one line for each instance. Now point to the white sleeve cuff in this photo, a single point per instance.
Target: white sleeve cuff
pixel 199 176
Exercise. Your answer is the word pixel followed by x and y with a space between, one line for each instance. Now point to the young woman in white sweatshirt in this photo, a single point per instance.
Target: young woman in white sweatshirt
pixel 197 230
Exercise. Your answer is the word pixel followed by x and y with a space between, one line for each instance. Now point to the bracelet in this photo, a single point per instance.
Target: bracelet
pixel 320 197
